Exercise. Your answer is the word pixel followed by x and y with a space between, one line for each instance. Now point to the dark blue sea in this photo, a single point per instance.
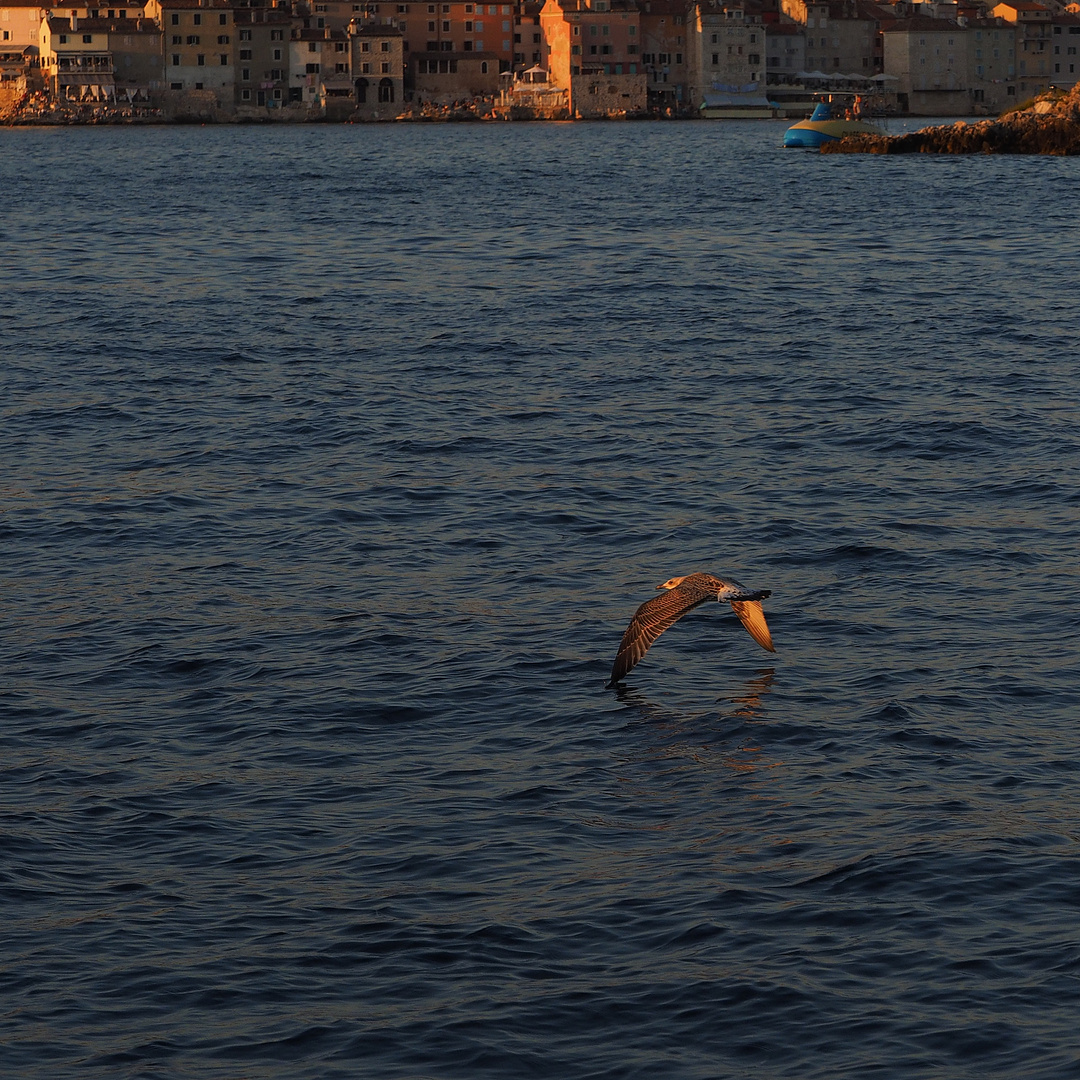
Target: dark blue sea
pixel 335 461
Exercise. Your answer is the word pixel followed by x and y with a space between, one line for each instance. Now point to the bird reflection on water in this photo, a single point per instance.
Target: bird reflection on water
pixel 693 733
pixel 748 700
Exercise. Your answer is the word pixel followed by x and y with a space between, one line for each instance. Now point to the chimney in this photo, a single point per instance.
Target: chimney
pixel 74 20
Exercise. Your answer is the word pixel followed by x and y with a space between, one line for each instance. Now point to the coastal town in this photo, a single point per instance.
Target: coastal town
pixel 303 60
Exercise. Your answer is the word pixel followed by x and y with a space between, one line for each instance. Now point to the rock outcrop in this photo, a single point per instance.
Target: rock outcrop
pixel 1050 126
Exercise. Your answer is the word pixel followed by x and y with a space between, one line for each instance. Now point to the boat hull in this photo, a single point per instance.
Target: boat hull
pixel 813 133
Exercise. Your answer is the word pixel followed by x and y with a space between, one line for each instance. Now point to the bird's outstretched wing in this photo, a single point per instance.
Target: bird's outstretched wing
pixel 753 618
pixel 650 621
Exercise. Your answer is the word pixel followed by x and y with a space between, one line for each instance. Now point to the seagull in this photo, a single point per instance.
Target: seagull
pixel 683 594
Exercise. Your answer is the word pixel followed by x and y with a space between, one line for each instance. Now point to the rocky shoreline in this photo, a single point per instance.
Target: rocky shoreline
pixel 1051 125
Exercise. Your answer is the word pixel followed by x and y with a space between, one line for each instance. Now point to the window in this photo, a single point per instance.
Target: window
pixel 341 67
pixel 277 54
pixel 277 35
pixel 193 39
pixel 339 46
pixel 197 19
pixel 223 20
pixel 198 86
pixel 245 74
pixel 245 35
pixel 223 39
pixel 446 26
pixel 87 39
pixel 313 46
pixel 175 59
pixel 200 60
pixel 175 20
pixel 483 67
pixel 386 69
pixel 431 26
pixel 245 95
pixel 245 54
pixel 313 69
pixel 386 90
pixel 715 59
pixel 224 58
pixel 176 86
pixel 365 69
pixel 177 39
pixel 468 27
pixel 384 46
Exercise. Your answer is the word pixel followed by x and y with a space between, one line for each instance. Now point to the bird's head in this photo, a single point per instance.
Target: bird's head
pixel 671 583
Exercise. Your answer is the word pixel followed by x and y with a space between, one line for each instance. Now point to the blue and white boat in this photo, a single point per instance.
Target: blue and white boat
pixel 822 128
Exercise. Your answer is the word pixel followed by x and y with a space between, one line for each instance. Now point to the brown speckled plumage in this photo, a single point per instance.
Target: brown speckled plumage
pixel 682 595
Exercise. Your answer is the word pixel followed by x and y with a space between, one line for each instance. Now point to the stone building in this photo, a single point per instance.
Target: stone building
pixel 841 36
pixel 261 46
pixel 320 63
pixel 991 59
pixel 929 57
pixel 75 59
pixel 197 41
pixel 727 49
pixel 785 52
pixel 665 51
pixel 1034 34
pixel 378 68
pixel 593 51
pixel 1065 36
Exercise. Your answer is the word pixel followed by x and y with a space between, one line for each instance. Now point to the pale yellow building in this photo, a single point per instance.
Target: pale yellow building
pixel 197 42
pixel 76 63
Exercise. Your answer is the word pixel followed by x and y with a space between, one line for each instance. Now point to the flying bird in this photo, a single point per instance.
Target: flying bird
pixel 683 594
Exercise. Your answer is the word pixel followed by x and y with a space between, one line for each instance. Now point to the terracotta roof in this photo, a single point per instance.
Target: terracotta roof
pixel 378 31
pixel 922 22
pixel 319 35
pixel 453 56
pixel 194 5
pixel 115 26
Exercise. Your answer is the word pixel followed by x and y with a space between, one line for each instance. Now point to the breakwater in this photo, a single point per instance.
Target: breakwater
pixel 1051 125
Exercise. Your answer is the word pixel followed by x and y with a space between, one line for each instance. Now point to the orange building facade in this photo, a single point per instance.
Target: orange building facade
pixel 593 49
